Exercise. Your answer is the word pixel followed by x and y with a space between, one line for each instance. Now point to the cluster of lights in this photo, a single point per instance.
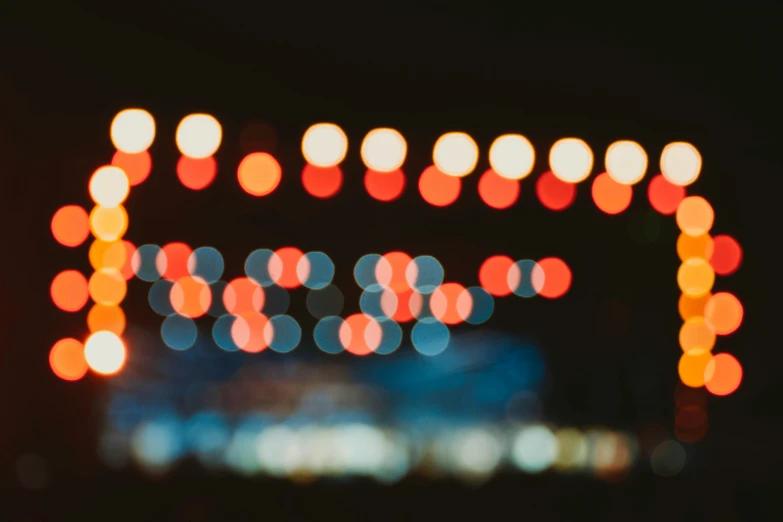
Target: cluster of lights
pixel 706 315
pixel 296 452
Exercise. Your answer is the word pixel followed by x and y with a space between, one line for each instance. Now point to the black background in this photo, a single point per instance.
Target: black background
pixel 650 72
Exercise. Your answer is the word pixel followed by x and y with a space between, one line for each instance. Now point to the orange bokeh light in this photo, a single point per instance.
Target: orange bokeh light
pixel 196 173
pixel 444 303
pixel 695 216
pixel 243 295
pixel 557 277
pixel 360 334
pixel 723 313
pixel 609 195
pixel 437 188
pixel 665 196
pixel 109 318
pixel 283 267
pixel 322 182
pixel 259 174
pixel 696 335
pixel 493 275
pixel 172 261
pixel 384 186
pixel 692 306
pixel 190 296
pixel 70 225
pixel 723 374
pixel 496 191
pixel 107 287
pixel 70 291
pixel 554 193
pixel 136 166
pixel 725 256
pixel 67 360
pixel 694 246
pixel 691 367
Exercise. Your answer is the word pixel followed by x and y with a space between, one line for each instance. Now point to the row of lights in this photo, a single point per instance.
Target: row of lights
pixel 384 150
pixel 361 449
pixel 455 155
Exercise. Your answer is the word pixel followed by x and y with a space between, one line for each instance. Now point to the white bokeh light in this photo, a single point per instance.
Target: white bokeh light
pixel 104 352
pixel 571 160
pixel 324 145
pixel 384 150
pixel 199 136
pixel 109 186
pixel 455 154
pixel 535 449
pixel 680 163
pixel 132 131
pixel 626 162
pixel 512 156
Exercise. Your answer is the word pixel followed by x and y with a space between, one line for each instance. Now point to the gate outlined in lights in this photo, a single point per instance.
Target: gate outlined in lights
pixel 705 315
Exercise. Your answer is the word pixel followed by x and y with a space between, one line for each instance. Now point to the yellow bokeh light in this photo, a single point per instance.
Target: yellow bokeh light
pixel 680 163
pixel 108 254
pixel 692 366
pixel 695 277
pixel 626 162
pixel 109 186
pixel 384 150
pixel 132 131
pixel 695 216
pixel 571 160
pixel 324 145
pixel 455 154
pixel 105 352
pixel 512 156
pixel 104 317
pixel 199 136
pixel 108 224
pixel 696 335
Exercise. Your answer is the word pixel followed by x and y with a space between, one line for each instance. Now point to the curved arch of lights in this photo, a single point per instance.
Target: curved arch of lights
pixel 398 288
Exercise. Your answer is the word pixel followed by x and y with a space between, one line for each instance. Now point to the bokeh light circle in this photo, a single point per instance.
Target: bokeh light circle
pixel 609 195
pixel 626 162
pixel 430 338
pixel 526 278
pixel 723 313
pixel 424 274
pixel 557 277
pixel 384 186
pixel 695 216
pixel 723 374
pixel 109 186
pixel 70 225
pixel 105 353
pixel 322 182
pixel 512 156
pixel 137 166
pixel 496 191
pixel 132 130
pixel 69 291
pixel 282 333
pixel 259 174
pixel 571 160
pixel 665 196
pixel 554 193
pixel 692 367
pixel 725 256
pixel 327 334
pixel 206 263
pixel 360 334
pixel 383 150
pixel 67 361
pixel 179 332
pixel 695 277
pixel 324 145
pixel 680 163
pixel 199 135
pixel 455 154
pixel 493 275
pixel 196 173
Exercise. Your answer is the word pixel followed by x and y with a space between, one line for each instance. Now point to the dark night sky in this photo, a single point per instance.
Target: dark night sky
pixel 652 73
